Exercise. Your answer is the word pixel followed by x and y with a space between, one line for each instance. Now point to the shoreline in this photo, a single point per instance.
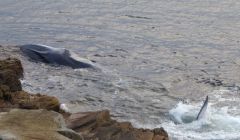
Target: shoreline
pixel 82 125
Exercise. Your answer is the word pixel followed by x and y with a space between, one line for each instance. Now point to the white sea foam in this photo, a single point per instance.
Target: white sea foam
pixel 221 121
pixel 64 108
pixel 218 123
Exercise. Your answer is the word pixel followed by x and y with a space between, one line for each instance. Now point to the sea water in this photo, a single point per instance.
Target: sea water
pixel 159 59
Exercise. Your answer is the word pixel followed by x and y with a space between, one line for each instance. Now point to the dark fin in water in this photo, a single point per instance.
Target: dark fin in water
pixel 203 109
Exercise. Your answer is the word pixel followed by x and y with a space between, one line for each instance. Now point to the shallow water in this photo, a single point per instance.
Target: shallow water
pixel 152 54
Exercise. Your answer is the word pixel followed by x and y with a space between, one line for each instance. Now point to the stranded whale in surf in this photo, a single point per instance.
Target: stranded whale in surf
pixel 53 55
pixel 203 109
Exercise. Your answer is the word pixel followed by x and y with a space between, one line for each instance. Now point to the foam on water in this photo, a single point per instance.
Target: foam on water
pixel 218 123
pixel 221 120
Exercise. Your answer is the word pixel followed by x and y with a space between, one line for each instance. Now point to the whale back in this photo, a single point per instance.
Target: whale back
pixel 42 53
pixel 203 109
pixel 42 49
pixel 53 55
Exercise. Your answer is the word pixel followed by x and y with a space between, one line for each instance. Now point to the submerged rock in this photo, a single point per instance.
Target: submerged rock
pixel 99 125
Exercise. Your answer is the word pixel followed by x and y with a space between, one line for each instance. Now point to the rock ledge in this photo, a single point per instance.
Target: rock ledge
pixel 35 116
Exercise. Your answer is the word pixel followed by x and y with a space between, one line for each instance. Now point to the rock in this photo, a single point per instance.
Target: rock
pixel 24 100
pixel 7 77
pixel 5 92
pixel 35 101
pixel 158 137
pixel 12 64
pixel 31 124
pixel 4 135
pixel 87 119
pixel 44 124
pixel 70 134
pixel 160 131
pixel 11 94
pixel 10 72
pixel 160 134
pixel 99 125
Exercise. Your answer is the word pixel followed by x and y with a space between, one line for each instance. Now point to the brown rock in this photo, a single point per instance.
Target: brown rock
pixel 99 126
pixel 35 101
pixel 10 79
pixel 158 137
pixel 87 120
pixel 5 96
pixel 133 134
pixel 34 124
pixel 24 100
pixel 10 72
pixel 160 132
pixel 11 94
pixel 13 65
pixel 4 92
pixel 125 125
pixel 91 125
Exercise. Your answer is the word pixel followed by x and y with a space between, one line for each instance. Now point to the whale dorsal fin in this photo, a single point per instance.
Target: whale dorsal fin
pixel 203 109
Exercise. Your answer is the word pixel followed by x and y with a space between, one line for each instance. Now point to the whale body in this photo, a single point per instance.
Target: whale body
pixel 203 109
pixel 51 55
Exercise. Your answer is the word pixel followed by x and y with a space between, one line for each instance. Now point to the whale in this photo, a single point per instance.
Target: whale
pixel 203 109
pixel 56 56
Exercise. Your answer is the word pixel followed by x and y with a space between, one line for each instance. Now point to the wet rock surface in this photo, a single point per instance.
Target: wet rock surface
pixel 45 123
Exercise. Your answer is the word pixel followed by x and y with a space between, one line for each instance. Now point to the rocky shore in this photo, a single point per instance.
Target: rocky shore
pixel 35 116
